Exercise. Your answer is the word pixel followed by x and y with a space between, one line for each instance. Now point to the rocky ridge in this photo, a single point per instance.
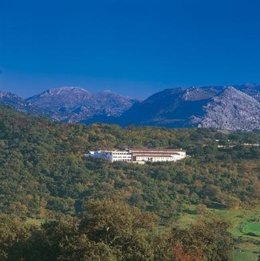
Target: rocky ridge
pixel 221 107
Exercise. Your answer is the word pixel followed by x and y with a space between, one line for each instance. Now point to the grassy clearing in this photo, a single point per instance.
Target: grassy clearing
pixel 244 226
pixel 244 256
pixel 252 228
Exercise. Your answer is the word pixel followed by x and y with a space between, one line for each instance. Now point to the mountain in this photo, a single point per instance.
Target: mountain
pixel 73 104
pixel 221 107
pixel 10 99
pixel 232 110
pixel 171 107
pixel 210 107
pixel 250 89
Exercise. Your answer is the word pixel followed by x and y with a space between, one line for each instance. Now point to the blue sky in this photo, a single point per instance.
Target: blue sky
pixel 134 47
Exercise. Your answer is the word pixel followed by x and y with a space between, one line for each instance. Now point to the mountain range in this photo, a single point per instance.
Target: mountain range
pixel 220 107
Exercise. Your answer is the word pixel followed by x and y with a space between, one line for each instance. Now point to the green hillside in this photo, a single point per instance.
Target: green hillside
pixel 44 176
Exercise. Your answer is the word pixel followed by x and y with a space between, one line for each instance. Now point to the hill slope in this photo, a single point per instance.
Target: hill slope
pixel 208 107
pixel 44 171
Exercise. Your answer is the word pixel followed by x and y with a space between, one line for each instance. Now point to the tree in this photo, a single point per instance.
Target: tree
pixel 207 238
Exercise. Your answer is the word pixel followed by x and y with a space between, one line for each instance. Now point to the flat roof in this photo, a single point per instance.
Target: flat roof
pixel 153 149
pixel 154 155
pixel 142 151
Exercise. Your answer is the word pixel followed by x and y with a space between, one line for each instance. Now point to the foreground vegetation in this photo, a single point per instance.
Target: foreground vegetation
pixel 111 230
pixel 244 227
pixel 46 183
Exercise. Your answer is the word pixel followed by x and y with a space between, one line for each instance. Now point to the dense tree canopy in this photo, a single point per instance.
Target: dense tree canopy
pixel 44 171
pixel 111 230
pixel 115 211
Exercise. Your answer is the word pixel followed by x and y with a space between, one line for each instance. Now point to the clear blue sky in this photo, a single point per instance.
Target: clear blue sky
pixel 134 47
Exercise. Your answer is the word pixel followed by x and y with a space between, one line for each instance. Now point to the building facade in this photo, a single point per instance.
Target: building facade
pixel 139 155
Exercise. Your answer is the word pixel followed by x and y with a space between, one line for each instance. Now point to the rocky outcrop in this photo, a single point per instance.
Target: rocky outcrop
pixel 232 110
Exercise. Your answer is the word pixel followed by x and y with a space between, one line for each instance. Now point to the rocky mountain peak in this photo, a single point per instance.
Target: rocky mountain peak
pixel 75 104
pixel 10 99
pixel 8 95
pixel 66 90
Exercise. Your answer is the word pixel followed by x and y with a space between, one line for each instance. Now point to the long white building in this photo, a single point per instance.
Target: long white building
pixel 111 155
pixel 139 155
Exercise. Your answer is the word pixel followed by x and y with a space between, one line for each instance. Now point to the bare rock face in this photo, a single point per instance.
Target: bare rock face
pixel 232 110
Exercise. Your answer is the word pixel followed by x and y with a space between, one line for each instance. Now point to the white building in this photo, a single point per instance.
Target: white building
pixel 157 155
pixel 139 155
pixel 111 155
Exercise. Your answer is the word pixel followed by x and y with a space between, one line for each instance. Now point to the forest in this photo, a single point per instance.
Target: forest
pixel 57 204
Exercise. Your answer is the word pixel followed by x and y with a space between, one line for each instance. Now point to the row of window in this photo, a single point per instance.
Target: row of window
pixel 120 153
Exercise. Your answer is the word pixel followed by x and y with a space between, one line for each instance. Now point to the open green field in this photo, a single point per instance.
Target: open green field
pixel 244 225
pixel 244 256
pixel 252 228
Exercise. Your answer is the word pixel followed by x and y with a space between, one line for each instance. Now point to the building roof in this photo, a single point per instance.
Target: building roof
pixel 154 150
pixel 154 155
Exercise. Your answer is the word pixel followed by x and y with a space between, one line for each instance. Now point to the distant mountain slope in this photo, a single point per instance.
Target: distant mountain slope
pixel 250 89
pixel 73 104
pixel 233 108
pixel 171 107
pixel 209 107
pixel 10 99
pixel 53 99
